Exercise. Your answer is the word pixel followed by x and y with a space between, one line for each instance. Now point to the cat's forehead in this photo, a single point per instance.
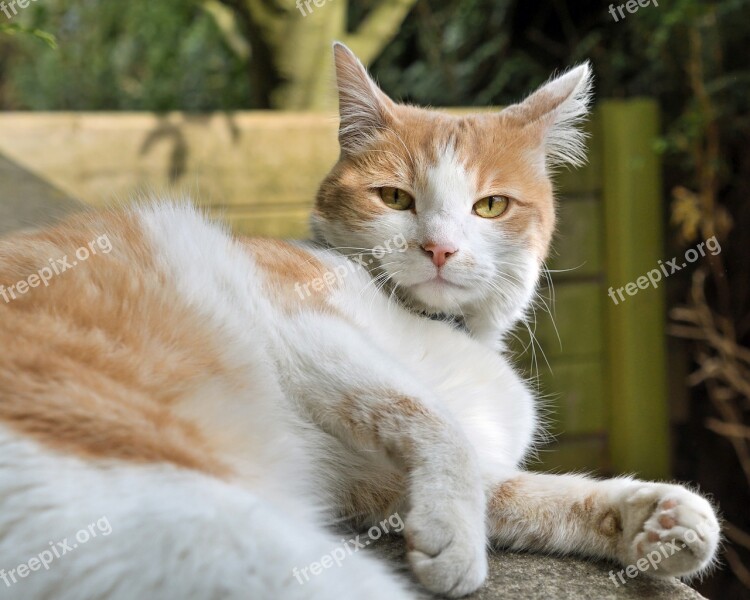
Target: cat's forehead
pixel 432 132
pixel 482 148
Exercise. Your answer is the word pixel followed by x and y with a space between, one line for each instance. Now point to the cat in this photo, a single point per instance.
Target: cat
pixel 180 387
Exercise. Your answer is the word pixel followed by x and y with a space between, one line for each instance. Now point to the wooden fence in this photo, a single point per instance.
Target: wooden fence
pixel 606 380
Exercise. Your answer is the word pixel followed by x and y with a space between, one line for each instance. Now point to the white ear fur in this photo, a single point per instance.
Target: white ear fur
pixel 559 107
pixel 363 107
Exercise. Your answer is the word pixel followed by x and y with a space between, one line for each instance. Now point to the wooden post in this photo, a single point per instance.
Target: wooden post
pixel 635 326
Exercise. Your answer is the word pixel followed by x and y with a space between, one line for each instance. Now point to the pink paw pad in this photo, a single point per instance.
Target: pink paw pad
pixel 667 522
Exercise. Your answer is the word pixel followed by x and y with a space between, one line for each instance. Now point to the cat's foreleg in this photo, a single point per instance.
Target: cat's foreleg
pixel 371 404
pixel 659 528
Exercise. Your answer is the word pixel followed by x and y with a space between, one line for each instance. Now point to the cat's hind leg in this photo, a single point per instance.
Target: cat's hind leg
pixel 121 531
pixel 659 528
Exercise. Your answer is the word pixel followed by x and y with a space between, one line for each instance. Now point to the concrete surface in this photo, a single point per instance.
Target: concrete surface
pixel 519 576
pixel 27 201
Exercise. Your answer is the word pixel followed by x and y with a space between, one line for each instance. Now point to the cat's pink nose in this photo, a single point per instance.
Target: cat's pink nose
pixel 439 252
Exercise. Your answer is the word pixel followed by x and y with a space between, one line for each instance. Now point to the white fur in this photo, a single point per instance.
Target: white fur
pixel 174 534
pixel 565 141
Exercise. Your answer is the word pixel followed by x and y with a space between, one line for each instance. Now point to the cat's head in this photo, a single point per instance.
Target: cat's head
pixel 471 195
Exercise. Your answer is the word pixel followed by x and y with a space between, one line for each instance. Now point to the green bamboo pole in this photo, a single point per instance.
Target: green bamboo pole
pixel 635 326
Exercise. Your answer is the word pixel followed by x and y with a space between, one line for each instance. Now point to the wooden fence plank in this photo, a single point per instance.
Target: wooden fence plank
pixel 575 395
pixel 577 327
pixel 577 248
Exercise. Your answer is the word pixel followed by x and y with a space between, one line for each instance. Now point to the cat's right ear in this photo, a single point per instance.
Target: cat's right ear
pixel 555 112
pixel 363 107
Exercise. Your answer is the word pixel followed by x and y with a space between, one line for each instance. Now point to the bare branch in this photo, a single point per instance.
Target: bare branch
pixel 226 21
pixel 728 429
pixel 735 563
pixel 737 536
pixel 378 29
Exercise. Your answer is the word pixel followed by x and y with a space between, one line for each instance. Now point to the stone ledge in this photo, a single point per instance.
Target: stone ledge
pixel 523 576
pixel 28 201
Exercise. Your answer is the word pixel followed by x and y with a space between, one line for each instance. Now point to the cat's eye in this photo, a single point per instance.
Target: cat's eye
pixel 396 199
pixel 491 206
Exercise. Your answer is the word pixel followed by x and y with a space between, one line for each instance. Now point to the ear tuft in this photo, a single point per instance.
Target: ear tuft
pixel 363 107
pixel 560 107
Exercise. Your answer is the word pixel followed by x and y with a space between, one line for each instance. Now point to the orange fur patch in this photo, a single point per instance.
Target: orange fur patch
pixel 296 279
pixel 536 515
pixel 94 363
pixel 367 413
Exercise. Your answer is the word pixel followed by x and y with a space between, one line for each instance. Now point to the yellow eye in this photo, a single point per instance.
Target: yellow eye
pixel 396 199
pixel 492 206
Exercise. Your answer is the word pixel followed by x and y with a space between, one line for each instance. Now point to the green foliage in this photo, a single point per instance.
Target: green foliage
pixel 119 55
pixel 15 29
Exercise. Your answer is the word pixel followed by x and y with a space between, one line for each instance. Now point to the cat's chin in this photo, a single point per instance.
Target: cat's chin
pixel 438 296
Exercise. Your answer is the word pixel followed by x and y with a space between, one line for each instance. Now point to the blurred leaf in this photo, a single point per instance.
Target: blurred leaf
pixel 13 29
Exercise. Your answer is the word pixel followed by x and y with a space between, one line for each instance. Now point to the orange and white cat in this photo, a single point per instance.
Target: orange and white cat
pixel 221 400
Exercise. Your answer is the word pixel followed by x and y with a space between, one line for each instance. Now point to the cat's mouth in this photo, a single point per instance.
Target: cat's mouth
pixel 438 295
pixel 435 291
pixel 440 281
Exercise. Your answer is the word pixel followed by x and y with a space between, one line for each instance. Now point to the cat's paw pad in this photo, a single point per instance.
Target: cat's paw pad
pixel 447 550
pixel 678 532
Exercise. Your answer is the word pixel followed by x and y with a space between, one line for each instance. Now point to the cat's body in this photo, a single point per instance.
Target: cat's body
pixel 219 399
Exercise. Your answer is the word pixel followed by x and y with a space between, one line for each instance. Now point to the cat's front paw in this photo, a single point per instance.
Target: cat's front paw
pixel 446 547
pixel 675 530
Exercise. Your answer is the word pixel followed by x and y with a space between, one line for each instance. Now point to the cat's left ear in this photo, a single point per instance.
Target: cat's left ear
pixel 556 112
pixel 363 107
